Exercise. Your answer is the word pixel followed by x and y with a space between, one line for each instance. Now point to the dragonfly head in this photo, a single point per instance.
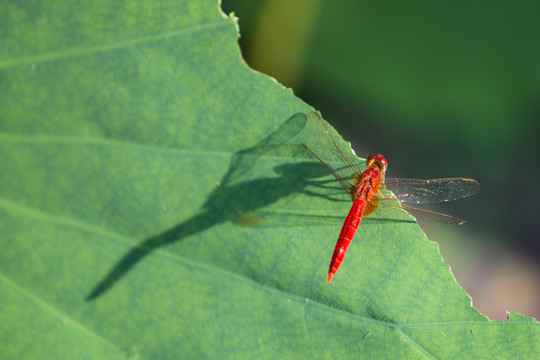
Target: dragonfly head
pixel 379 161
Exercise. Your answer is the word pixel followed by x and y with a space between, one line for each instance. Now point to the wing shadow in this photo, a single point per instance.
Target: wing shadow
pixel 237 197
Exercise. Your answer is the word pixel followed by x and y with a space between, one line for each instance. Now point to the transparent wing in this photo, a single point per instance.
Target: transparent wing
pixel 391 209
pixel 324 145
pixel 427 215
pixel 418 191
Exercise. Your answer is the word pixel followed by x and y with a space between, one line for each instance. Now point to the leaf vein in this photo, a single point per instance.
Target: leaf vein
pixel 67 53
pixel 54 311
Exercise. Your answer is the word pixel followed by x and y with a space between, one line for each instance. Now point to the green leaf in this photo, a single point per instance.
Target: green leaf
pixel 156 202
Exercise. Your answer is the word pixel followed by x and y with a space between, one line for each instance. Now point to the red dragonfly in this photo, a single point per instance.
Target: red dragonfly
pixel 364 187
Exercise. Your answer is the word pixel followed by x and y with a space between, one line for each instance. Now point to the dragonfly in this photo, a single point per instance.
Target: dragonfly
pixel 364 188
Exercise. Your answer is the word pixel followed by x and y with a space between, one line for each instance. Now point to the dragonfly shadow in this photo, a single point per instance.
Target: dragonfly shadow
pixel 238 197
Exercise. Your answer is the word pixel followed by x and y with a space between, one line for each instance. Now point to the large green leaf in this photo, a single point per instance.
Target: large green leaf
pixel 155 202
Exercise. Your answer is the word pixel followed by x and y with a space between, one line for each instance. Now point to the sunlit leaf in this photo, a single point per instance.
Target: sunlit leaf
pixel 156 202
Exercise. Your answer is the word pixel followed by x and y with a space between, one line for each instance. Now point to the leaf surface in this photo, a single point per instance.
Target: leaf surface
pixel 155 202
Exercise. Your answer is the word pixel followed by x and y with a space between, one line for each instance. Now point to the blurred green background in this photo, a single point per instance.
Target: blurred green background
pixel 442 89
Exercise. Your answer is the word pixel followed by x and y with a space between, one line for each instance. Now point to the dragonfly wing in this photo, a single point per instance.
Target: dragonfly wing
pixel 431 191
pixel 345 183
pixel 427 215
pixel 324 143
pixel 392 210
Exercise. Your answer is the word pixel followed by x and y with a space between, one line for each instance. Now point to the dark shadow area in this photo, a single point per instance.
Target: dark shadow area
pixel 238 198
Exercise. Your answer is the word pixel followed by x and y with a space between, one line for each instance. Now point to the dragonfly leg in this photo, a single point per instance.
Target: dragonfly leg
pixel 382 196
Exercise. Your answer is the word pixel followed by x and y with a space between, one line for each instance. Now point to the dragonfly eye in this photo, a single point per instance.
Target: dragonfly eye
pixel 377 160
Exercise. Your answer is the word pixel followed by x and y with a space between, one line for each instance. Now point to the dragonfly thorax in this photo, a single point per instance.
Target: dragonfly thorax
pixel 368 184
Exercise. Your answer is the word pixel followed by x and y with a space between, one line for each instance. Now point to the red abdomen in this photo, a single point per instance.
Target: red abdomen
pixel 346 235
